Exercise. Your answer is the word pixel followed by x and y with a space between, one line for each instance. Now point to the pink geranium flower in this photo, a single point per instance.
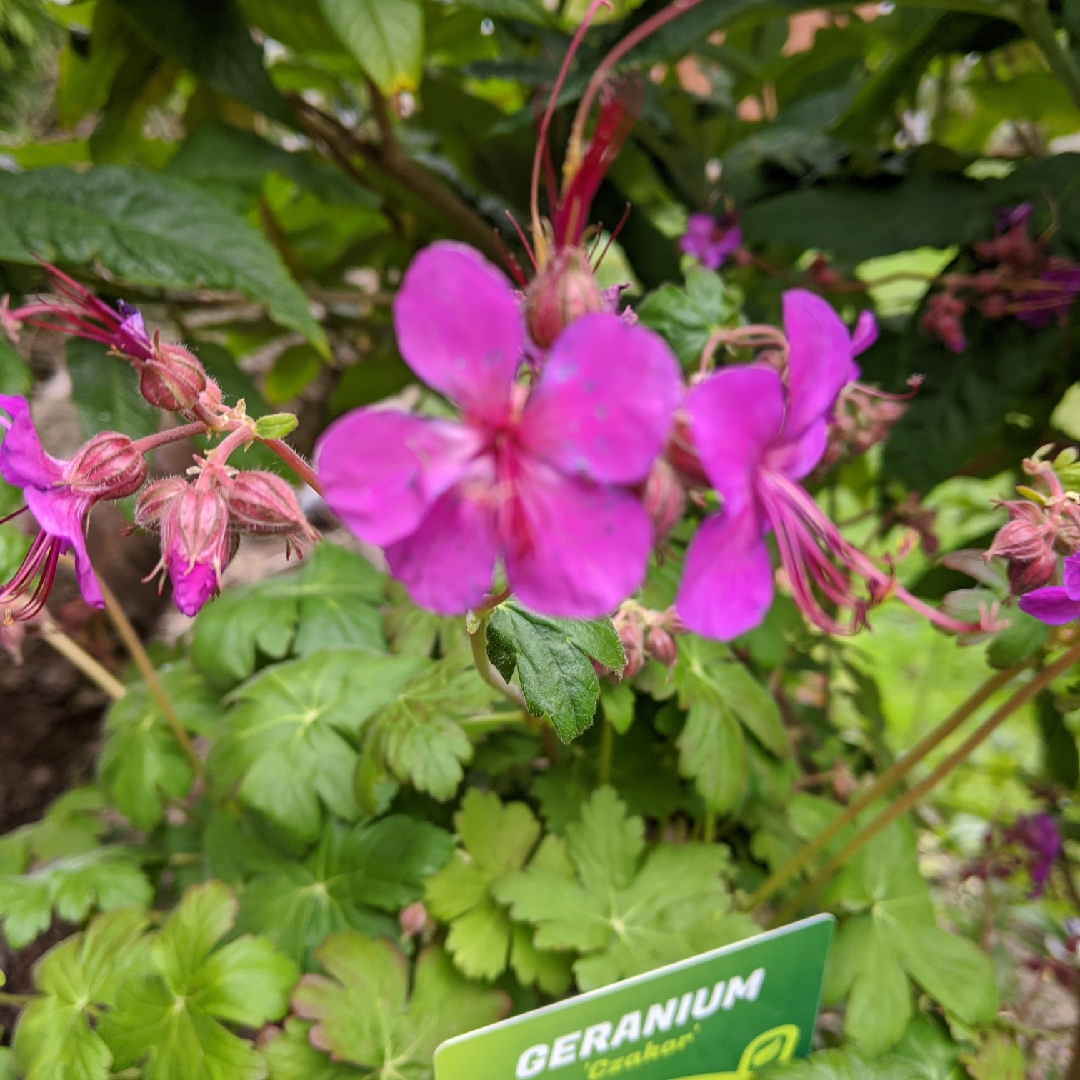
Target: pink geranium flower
pixel 59 495
pixel 1056 604
pixel 757 434
pixel 535 476
pixel 711 240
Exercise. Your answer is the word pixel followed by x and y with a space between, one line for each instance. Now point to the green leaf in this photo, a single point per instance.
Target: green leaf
pixel 289 742
pixel 495 839
pixel 347 881
pixel 618 704
pixel 999 1058
pixel 290 1056
pixel 54 1038
pixel 328 603
pixel 104 878
pixel 170 1019
pixel 687 317
pixel 15 377
pixel 845 1064
pixel 362 1012
pixel 1021 640
pixel 385 36
pixel 712 752
pixel 148 230
pixel 292 373
pixel 552 658
pixel 211 38
pixel 141 763
pixel 417 737
pixel 524 10
pixel 216 156
pixel 275 425
pixel 618 910
pixel 106 392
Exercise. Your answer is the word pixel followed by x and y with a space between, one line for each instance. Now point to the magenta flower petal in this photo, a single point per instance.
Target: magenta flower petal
pixel 727 582
pixel 23 462
pixel 1071 577
pixel 795 460
pixel 61 514
pixel 604 402
pixel 192 585
pixel 865 332
pixel 447 562
pixel 572 549
pixel 735 416
pixel 459 327
pixel 381 470
pixel 1050 605
pixel 819 362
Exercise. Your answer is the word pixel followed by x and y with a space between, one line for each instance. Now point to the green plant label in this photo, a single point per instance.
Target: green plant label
pixel 719 1016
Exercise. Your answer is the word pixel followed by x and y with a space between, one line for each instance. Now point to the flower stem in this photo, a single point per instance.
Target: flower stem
pixel 170 435
pixel 708 826
pixel 80 658
pixel 295 462
pixel 487 670
pixel 607 746
pixel 896 772
pixel 912 796
pixel 146 669
pixel 18 1000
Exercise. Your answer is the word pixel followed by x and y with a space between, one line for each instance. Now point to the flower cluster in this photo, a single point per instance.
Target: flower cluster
pixel 1022 279
pixel 1032 843
pixel 646 635
pixel 199 521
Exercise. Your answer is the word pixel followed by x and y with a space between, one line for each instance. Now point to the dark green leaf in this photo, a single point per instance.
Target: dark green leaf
pixel 385 36
pixel 146 229
pixel 1023 638
pixel 105 390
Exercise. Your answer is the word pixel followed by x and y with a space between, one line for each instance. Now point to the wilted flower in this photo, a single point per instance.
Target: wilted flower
pixel 536 476
pixel 757 435
pixel 711 240
pixel 59 495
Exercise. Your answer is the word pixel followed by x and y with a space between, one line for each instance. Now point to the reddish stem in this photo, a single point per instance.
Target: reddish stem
pixel 295 462
pixel 171 435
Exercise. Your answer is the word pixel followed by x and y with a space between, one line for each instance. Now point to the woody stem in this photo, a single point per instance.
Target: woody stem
pixel 912 796
pixel 146 669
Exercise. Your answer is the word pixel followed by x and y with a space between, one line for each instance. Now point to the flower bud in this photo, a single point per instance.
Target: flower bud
pixel 560 294
pixel 1025 575
pixel 664 498
pixel 262 502
pixel 154 502
pixel 660 645
pixel 196 545
pixel 682 455
pixel 172 379
pixel 631 630
pixel 413 919
pixel 108 466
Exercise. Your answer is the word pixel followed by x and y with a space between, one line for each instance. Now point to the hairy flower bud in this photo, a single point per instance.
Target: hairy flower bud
pixel 172 379
pixel 262 502
pixel 560 294
pixel 154 502
pixel 664 498
pixel 1027 574
pixel 108 466
pixel 196 545
pixel 1027 543
pixel 660 645
pixel 630 626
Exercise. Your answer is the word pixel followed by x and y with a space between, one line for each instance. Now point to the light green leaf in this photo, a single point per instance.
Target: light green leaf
pixel 105 390
pixel 275 425
pixel 146 229
pixel 999 1058
pixel 290 741
pixel 618 911
pixel 141 763
pixel 417 737
pixel 293 371
pixel 54 1038
pixel 347 881
pixel 329 602
pixel 15 376
pixel 169 1019
pixel 385 36
pixel 879 1005
pixel 618 704
pixel 362 1013
pixel 712 752
pixel 290 1056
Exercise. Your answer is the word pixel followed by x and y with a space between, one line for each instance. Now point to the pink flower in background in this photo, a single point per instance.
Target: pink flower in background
pixel 1056 604
pixel 1039 834
pixel 756 435
pixel 711 240
pixel 535 476
pixel 59 495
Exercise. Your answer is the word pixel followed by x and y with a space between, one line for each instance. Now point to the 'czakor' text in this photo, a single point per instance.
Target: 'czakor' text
pixel 603 1038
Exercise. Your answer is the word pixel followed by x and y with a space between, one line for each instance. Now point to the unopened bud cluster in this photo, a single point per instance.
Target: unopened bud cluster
pixel 646 635
pixel 861 419
pixel 1022 279
pixel 1041 527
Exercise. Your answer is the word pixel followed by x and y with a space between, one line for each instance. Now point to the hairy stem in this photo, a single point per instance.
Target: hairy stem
pixel 80 658
pixel 295 462
pixel 170 435
pixel 146 669
pixel 896 772
pixel 1035 21
pixel 936 775
pixel 487 670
